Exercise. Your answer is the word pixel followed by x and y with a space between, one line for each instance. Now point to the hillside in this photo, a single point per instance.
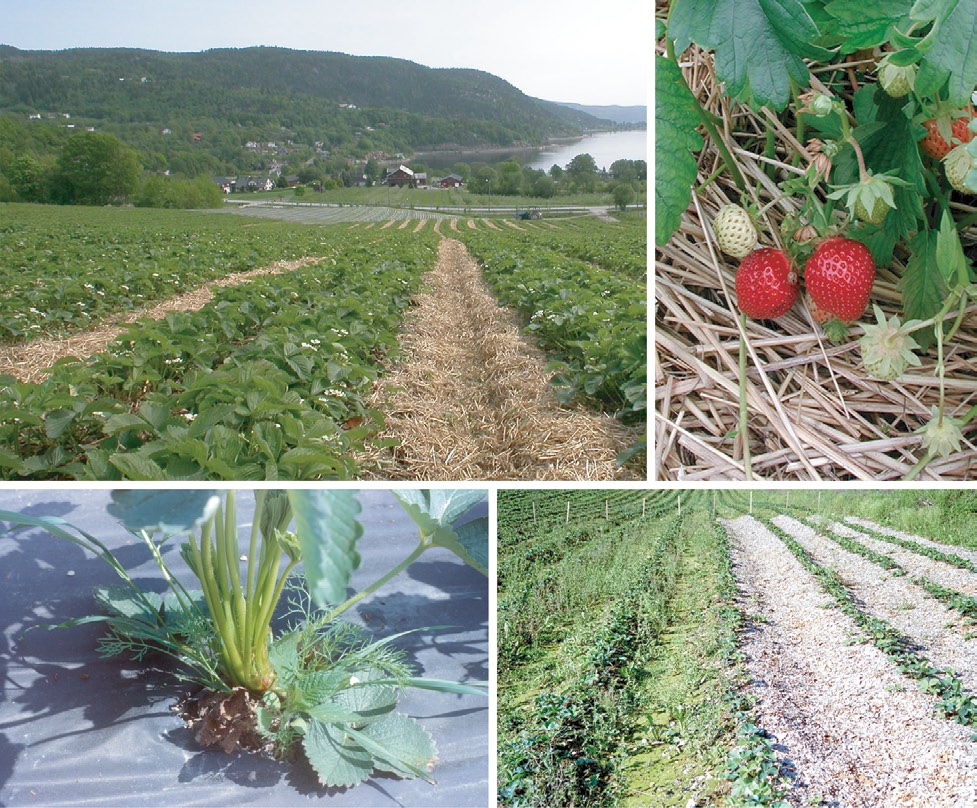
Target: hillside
pixel 616 113
pixel 333 99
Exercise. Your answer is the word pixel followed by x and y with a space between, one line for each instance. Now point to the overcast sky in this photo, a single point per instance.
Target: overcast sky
pixel 585 51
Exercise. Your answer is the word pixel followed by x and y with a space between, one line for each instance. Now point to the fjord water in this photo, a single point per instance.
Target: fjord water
pixel 604 147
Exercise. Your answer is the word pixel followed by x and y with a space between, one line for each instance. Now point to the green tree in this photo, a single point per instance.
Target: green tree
pixel 98 169
pixel 582 171
pixel 509 175
pixel 623 194
pixel 26 175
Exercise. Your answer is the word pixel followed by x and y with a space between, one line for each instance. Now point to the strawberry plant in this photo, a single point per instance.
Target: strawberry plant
pixel 320 683
pixel 847 131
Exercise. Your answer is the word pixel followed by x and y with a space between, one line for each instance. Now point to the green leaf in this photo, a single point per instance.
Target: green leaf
pixel 865 24
pixel 952 56
pixel 431 512
pixel 923 287
pixel 760 45
pixel 327 529
pixel 400 745
pixel 135 466
pixel 121 601
pixel 336 757
pixel 950 260
pixel 676 137
pixel 168 511
pixel 57 421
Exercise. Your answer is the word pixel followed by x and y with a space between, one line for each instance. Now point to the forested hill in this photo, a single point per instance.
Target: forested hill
pixel 393 103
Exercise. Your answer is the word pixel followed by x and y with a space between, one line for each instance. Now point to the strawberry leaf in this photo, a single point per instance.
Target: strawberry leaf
pixel 865 24
pixel 952 57
pixel 923 287
pixel 676 137
pixel 760 45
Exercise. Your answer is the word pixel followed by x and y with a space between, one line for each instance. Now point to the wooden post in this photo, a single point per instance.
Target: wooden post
pixel 787 503
pixel 643 499
pixel 568 512
pixel 751 502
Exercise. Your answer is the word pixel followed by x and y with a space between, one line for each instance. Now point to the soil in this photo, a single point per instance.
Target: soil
pixel 850 730
pixel 223 720
pixel 470 398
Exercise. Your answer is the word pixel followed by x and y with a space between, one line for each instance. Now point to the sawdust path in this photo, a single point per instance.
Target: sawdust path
pixel 470 399
pixel 29 361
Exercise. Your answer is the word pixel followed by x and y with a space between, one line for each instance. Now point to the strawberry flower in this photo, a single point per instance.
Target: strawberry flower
pixel 942 435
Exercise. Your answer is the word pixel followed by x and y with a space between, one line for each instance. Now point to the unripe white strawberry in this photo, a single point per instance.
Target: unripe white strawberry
pixel 958 164
pixel 897 81
pixel 734 230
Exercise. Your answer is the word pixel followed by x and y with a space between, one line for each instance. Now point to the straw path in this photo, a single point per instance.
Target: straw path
pixel 470 399
pixel 813 411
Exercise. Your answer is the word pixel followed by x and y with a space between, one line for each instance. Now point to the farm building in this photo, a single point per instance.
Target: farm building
pixel 404 176
pixel 451 181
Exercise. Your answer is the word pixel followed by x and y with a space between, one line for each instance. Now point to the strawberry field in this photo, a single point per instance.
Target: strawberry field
pixel 581 286
pixel 268 380
pixel 735 649
pixel 815 232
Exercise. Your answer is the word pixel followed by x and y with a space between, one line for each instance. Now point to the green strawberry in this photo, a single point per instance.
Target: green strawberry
pixel 957 165
pixel 735 233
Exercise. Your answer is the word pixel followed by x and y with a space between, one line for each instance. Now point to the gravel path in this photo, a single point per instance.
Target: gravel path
pixel 897 600
pixel 915 564
pixel 856 733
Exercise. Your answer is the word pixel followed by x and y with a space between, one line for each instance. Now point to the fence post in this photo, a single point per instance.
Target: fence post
pixel 568 512
pixel 643 499
pixel 751 503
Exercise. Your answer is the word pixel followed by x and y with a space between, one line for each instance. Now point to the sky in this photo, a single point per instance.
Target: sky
pixel 582 51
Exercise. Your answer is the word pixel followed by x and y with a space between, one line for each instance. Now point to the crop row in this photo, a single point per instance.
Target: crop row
pixel 593 320
pixel 267 381
pixel 65 269
pixel 566 750
pixel 952 700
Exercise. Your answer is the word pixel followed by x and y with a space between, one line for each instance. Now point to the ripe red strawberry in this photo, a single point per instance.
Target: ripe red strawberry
pixel 839 277
pixel 935 145
pixel 766 284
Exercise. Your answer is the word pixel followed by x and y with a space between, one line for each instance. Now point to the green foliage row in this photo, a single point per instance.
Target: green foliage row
pixel 594 320
pixel 69 268
pixel 259 384
pixel 565 752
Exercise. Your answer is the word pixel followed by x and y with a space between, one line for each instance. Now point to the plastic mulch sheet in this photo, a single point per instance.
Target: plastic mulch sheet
pixel 79 729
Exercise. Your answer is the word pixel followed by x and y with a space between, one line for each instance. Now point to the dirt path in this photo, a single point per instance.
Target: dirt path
pixel 470 399
pixel 29 361
pixel 855 732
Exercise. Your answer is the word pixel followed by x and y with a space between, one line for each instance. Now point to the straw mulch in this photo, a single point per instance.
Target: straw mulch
pixel 470 400
pixel 813 411
pixel 31 361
